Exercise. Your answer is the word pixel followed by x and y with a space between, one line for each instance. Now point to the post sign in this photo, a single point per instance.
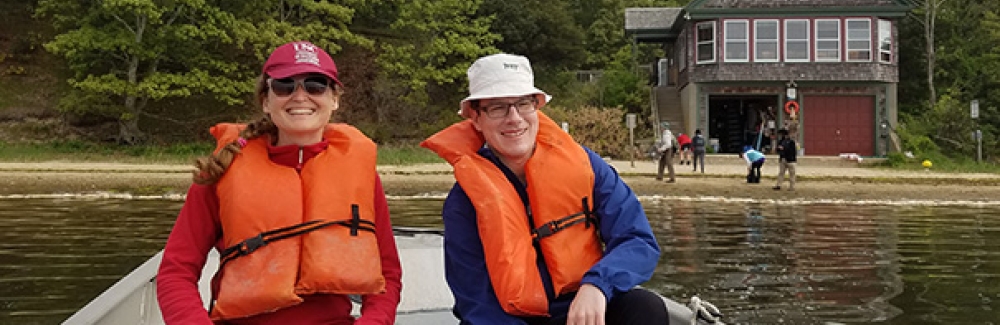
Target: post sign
pixel 630 122
pixel 974 108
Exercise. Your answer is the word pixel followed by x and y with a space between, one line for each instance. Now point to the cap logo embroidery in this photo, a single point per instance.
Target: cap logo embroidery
pixel 512 66
pixel 306 53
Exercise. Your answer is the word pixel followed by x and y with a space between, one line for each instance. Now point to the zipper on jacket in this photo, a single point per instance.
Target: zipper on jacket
pixel 299 166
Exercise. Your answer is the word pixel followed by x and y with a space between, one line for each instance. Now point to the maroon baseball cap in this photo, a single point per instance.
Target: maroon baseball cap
pixel 300 57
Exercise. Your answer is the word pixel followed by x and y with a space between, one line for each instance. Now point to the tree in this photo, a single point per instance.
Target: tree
pixel 605 25
pixel 960 61
pixel 127 53
pixel 542 30
pixel 437 41
pixel 443 37
pixel 266 24
pixel 929 9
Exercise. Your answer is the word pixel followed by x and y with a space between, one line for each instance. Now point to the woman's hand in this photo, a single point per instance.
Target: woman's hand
pixel 588 307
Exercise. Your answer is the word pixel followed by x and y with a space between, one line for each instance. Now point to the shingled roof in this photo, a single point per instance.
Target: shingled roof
pixel 651 23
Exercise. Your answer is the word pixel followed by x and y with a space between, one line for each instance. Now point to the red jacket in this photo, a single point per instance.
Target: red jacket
pixel 198 230
pixel 683 139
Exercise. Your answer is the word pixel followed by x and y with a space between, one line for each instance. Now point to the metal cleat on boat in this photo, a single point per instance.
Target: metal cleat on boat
pixel 704 312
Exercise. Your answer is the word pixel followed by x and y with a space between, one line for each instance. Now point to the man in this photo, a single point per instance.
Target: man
pixel 685 144
pixel 667 149
pixel 538 229
pixel 787 153
pixel 698 149
pixel 754 160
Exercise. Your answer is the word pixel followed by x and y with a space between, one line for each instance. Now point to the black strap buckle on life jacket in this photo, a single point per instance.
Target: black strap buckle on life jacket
pixel 251 244
pixel 550 228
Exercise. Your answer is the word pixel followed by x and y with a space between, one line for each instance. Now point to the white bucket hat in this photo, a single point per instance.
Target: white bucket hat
pixel 501 75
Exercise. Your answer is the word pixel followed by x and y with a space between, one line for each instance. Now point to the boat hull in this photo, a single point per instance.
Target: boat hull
pixel 425 299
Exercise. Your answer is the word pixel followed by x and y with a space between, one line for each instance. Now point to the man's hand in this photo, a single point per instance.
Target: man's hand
pixel 588 307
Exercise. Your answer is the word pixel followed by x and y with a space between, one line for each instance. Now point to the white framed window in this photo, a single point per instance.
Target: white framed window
pixel 737 44
pixel 884 41
pixel 797 40
pixel 765 38
pixel 859 39
pixel 828 40
pixel 705 37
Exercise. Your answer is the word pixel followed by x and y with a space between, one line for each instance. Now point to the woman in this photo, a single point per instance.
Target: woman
pixel 290 201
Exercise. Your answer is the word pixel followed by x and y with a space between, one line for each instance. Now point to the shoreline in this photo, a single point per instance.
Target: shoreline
pixel 815 184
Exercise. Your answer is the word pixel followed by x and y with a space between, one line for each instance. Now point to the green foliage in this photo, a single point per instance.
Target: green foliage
pixel 965 68
pixel 77 150
pixel 565 89
pixel 183 153
pixel 620 88
pixel 192 62
pixel 127 53
pixel 530 28
pixel 406 155
pixel 422 65
pixel 941 163
pixel 443 38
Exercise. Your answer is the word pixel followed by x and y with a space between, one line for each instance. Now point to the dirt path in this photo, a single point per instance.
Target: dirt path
pixel 818 182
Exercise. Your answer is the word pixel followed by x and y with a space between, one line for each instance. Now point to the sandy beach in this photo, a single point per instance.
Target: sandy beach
pixel 819 179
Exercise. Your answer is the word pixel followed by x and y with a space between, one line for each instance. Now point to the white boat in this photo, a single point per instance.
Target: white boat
pixel 425 299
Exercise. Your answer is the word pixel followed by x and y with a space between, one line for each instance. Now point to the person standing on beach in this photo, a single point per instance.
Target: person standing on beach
pixel 667 149
pixel 538 229
pixel 754 160
pixel 295 207
pixel 787 153
pixel 698 150
pixel 685 144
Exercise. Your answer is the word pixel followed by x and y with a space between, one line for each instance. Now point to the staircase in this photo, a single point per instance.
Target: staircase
pixel 668 105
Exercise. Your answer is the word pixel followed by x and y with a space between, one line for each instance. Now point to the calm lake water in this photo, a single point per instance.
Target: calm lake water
pixel 761 263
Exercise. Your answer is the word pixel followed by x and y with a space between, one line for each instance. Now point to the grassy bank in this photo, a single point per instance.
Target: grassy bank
pixel 172 154
pixel 409 154
pixel 940 163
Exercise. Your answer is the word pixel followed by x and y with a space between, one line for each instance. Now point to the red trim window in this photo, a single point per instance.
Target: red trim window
pixel 828 40
pixel 797 40
pixel 859 39
pixel 705 38
pixel 765 40
pixel 737 40
pixel 884 41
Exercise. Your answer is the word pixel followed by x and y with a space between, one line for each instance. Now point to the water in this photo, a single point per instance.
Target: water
pixel 761 263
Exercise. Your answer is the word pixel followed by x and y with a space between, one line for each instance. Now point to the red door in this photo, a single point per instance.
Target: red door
pixel 838 124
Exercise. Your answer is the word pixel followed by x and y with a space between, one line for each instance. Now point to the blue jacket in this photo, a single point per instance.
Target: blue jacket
pixel 752 156
pixel 630 257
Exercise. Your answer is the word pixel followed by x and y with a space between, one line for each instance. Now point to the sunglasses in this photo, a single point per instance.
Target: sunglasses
pixel 286 86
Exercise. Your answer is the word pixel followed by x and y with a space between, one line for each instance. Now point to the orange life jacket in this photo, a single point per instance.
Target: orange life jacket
pixel 560 182
pixel 293 234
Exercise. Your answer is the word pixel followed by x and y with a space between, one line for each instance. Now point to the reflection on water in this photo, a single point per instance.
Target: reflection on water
pixel 762 263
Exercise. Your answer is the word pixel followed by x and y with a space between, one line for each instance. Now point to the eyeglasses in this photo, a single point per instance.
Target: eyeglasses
pixel 286 86
pixel 502 110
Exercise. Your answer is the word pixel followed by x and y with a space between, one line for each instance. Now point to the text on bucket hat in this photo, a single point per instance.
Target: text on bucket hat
pixel 501 75
pixel 300 57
